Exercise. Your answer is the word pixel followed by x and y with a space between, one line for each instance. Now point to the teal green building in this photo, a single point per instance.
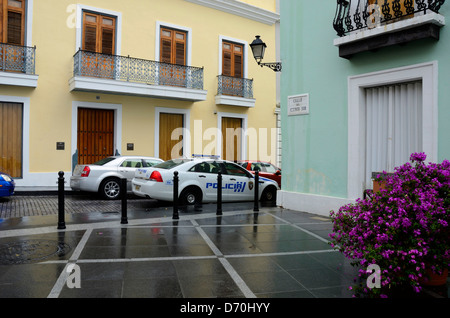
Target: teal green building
pixel 365 83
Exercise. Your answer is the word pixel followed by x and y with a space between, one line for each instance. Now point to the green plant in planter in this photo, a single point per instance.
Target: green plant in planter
pixel 403 229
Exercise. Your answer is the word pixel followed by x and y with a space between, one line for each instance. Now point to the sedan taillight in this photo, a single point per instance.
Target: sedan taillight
pixel 86 171
pixel 156 176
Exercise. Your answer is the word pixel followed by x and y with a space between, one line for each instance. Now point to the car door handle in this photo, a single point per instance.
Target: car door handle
pixel 202 176
pixel 233 179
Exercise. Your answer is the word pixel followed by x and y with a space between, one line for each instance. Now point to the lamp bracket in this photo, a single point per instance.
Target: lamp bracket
pixel 276 66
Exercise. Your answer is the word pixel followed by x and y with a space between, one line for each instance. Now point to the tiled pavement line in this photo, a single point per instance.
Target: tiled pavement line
pixel 302 229
pixel 231 271
pixel 61 281
pixel 109 224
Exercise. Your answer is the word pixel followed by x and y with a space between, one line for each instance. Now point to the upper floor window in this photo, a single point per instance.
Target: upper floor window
pixel 99 33
pixel 173 46
pixel 232 59
pixel 12 21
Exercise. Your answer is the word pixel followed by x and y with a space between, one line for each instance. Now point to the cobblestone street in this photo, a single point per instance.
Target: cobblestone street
pixel 35 205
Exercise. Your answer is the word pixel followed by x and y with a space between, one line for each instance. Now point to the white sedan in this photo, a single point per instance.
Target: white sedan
pixel 104 176
pixel 198 182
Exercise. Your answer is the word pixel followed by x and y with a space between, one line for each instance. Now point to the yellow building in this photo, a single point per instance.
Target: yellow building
pixel 82 81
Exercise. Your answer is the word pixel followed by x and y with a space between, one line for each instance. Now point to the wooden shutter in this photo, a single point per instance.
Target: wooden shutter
pixel 107 28
pixel 98 33
pixel 226 59
pixel 12 21
pixel 173 46
pixel 180 48
pixel 90 32
pixel 11 126
pixel 166 46
pixel 232 59
pixel 238 65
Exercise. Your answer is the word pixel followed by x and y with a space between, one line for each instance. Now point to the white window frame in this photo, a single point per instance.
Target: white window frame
pixel 29 22
pixel 79 25
pixel 428 74
pixel 186 128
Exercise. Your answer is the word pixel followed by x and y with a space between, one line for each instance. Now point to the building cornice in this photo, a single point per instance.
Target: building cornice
pixel 241 9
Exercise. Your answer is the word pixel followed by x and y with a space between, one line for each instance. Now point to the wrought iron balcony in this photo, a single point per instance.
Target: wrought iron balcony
pixel 17 59
pixel 135 70
pixel 354 15
pixel 368 25
pixel 234 86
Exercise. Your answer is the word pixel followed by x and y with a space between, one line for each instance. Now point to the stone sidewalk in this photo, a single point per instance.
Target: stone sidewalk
pixel 22 205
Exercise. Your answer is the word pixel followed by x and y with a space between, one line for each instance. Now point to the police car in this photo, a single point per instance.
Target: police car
pixel 198 182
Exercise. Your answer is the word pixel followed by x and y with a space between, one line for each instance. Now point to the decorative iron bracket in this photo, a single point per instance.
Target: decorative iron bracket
pixel 276 66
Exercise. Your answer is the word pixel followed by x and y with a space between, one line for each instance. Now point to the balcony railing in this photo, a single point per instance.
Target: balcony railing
pixel 234 86
pixel 16 58
pixel 353 15
pixel 135 70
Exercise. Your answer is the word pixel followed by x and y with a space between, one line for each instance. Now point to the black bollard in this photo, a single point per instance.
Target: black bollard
pixel 61 221
pixel 123 195
pixel 256 203
pixel 175 196
pixel 219 193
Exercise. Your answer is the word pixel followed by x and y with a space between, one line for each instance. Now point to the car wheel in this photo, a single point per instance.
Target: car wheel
pixel 190 196
pixel 269 194
pixel 110 189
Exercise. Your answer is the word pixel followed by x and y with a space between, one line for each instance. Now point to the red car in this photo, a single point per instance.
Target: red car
pixel 266 169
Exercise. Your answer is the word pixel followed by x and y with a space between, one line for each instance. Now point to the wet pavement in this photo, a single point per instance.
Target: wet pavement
pixel 240 254
pixel 273 253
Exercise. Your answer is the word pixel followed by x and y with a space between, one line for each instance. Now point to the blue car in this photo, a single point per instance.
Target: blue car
pixel 7 185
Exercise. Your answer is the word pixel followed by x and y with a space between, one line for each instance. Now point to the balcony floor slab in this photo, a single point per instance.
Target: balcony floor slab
pixel 110 86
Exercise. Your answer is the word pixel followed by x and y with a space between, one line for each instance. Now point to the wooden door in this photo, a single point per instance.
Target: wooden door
pixel 168 124
pixel 232 138
pixel 99 37
pixel 173 57
pixel 12 31
pixel 11 127
pixel 95 134
pixel 232 68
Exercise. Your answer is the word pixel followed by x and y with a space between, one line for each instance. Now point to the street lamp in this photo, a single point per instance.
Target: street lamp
pixel 258 49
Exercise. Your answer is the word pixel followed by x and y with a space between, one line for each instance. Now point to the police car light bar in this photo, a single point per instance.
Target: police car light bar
pixel 206 156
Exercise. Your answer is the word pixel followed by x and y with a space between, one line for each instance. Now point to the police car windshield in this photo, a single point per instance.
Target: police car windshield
pixel 169 164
